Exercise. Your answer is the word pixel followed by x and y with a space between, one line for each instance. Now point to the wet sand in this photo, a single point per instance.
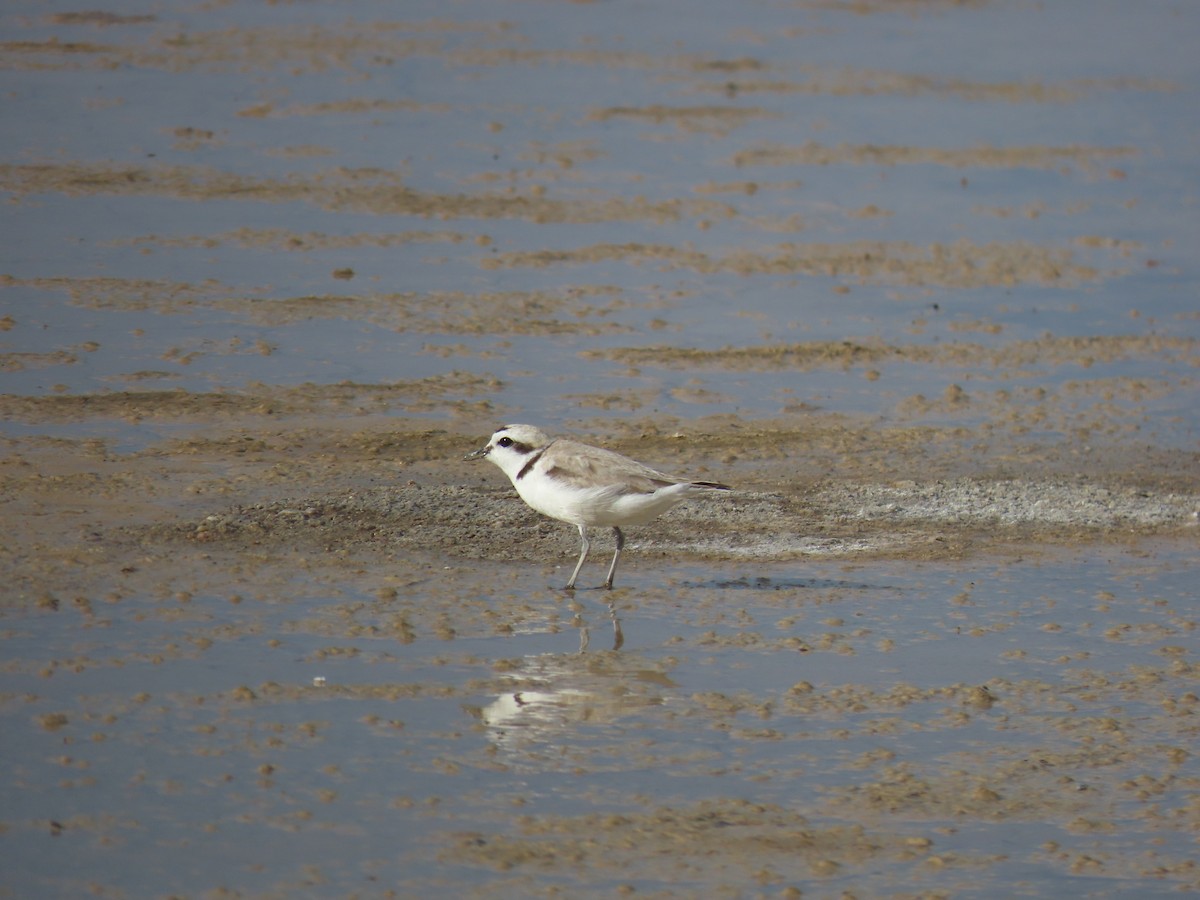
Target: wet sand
pixel 202 584
pixel 805 486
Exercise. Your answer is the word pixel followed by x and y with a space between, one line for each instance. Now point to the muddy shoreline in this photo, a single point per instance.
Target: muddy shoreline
pixel 356 570
pixel 380 488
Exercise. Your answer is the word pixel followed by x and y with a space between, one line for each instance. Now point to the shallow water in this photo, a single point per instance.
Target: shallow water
pixel 285 254
pixel 1008 725
pixel 212 198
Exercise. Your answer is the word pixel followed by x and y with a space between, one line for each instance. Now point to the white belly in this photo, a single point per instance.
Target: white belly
pixel 598 506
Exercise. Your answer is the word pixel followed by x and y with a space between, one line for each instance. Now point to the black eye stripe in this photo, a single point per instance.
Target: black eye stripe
pixel 517 446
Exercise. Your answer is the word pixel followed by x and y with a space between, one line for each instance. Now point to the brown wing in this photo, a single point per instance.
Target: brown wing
pixel 597 467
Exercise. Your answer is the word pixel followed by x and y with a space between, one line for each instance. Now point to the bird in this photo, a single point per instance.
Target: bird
pixel 584 485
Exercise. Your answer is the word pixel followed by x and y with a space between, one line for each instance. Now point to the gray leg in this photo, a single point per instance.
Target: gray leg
pixel 582 556
pixel 618 634
pixel 612 570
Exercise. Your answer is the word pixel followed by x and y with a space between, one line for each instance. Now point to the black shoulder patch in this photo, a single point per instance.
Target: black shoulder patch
pixel 529 463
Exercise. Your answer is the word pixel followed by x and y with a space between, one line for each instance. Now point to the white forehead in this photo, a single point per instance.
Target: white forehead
pixel 523 434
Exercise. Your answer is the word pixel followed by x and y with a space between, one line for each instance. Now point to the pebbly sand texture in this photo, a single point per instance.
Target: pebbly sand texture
pixel 917 278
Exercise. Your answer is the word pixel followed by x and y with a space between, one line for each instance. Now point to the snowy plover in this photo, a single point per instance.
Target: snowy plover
pixel 584 485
